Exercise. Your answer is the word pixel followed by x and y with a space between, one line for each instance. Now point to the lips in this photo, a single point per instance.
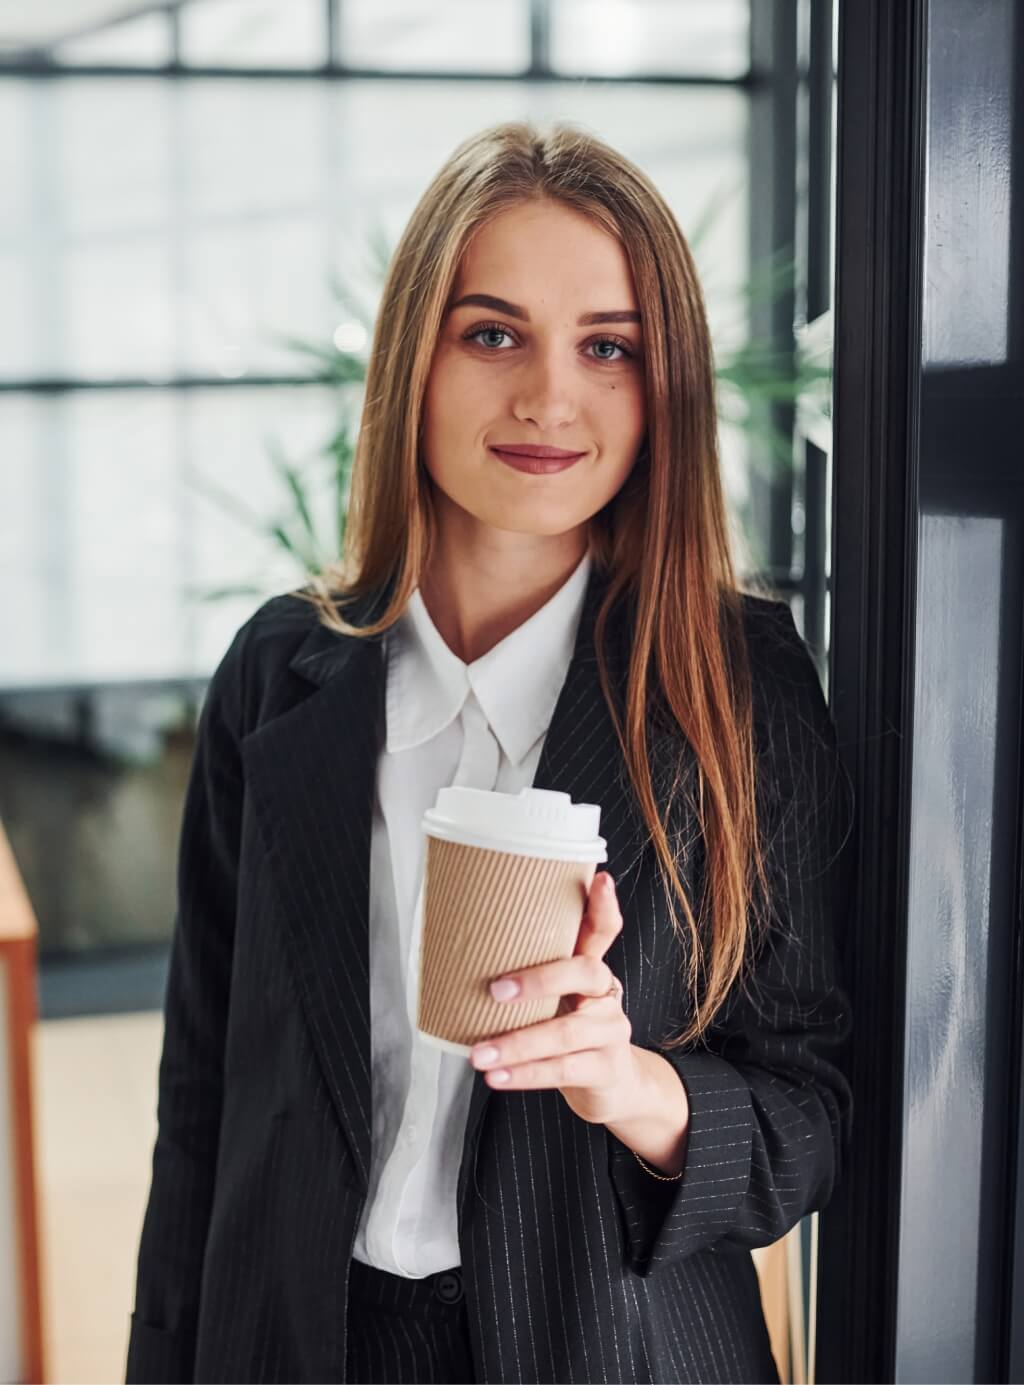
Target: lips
pixel 524 449
pixel 539 461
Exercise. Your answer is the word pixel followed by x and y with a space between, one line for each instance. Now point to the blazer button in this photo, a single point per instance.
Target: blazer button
pixel 448 1286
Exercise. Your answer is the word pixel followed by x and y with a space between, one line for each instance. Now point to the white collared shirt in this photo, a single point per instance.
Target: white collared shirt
pixel 481 724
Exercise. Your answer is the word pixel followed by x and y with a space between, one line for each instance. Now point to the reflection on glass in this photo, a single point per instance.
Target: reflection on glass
pixel 408 34
pixel 967 245
pixel 144 41
pixel 254 33
pixel 118 310
pixel 624 37
pixel 951 956
pixel 187 245
pixel 106 525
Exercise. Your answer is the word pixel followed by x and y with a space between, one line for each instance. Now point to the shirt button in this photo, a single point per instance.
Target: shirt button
pixel 412 1131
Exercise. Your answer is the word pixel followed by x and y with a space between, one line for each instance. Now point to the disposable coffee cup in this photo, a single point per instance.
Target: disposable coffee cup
pixel 505 886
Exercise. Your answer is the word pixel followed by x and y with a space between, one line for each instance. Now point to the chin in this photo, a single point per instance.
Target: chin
pixel 532 514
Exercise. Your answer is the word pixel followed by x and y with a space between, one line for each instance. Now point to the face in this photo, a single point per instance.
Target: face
pixel 540 345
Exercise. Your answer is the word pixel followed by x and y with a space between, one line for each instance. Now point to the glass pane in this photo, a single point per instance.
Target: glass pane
pixel 252 149
pixel 21 108
pixel 106 541
pixel 626 37
pixel 101 159
pixel 109 531
pixel 246 287
pixel 254 33
pixel 143 42
pixel 154 225
pixel 118 311
pixel 21 346
pixel 189 225
pixel 446 35
pixel 690 141
pixel 234 495
pixel 22 511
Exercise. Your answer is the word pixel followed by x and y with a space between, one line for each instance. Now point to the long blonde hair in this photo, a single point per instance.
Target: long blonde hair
pixel 663 538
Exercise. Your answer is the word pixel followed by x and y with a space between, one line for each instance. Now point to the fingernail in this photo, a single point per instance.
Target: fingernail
pixel 504 989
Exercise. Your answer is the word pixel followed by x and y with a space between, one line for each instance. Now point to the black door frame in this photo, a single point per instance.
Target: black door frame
pixel 915 441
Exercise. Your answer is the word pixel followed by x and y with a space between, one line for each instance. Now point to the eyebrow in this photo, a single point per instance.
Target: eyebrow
pixel 501 305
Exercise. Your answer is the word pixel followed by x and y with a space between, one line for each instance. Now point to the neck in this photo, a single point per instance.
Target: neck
pixel 478 596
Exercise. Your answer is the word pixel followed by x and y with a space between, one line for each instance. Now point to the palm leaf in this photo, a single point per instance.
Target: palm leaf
pixel 236 508
pixel 711 212
pixel 221 593
pixel 292 480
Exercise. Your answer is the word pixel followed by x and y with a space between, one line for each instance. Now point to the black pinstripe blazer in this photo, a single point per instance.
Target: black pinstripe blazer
pixel 578 1265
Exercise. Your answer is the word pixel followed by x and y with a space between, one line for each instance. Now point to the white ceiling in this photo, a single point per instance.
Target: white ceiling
pixel 31 23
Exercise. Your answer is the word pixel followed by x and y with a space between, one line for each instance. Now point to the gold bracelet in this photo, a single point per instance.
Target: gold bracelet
pixel 665 1177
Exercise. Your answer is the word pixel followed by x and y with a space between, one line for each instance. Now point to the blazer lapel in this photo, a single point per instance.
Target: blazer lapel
pixel 312 776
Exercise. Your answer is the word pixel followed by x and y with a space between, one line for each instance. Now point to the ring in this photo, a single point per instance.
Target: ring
pixel 615 988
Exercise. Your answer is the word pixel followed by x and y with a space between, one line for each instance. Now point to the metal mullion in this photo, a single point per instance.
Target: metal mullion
pixel 57 385
pixel 332 25
pixel 540 38
pixel 771 159
pixel 49 71
pixel 819 178
pixel 174 20
pixel 879 134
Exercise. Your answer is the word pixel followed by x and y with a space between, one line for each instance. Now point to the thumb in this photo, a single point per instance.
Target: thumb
pixel 602 921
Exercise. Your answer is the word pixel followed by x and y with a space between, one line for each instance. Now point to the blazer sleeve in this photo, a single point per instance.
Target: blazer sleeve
pixel 162 1338
pixel 770 1106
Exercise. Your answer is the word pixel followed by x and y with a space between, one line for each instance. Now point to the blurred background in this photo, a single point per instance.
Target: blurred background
pixel 199 201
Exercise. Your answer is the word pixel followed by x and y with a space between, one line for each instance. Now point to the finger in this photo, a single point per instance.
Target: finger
pixel 549 1038
pixel 602 921
pixel 584 1068
pixel 576 975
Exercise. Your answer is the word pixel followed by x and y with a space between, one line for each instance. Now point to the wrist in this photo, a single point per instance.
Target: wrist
pixel 657 1124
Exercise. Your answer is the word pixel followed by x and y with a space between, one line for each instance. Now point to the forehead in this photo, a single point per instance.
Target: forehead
pixel 545 246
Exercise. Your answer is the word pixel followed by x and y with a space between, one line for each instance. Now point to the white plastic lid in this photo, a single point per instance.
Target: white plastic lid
pixel 533 822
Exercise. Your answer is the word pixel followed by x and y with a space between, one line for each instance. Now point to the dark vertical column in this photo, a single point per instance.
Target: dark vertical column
pixel 540 37
pixel 814 481
pixel 772 163
pixel 918 1280
pixel 332 31
pixel 874 459
pixel 966 739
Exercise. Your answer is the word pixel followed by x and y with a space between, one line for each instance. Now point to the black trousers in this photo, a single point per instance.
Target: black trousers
pixel 407 1330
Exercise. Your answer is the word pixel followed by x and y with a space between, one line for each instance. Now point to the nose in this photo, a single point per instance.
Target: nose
pixel 545 392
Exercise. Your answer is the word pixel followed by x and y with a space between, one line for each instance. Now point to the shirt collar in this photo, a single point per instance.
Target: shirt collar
pixel 516 683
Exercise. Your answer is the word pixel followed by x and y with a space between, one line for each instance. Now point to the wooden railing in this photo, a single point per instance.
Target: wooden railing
pixel 779 1272
pixel 21 1330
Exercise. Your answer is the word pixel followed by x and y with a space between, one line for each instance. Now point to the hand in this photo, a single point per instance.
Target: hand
pixel 585 1050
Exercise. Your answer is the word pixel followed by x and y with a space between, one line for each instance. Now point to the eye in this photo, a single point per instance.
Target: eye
pixel 487 327
pixel 619 345
pixel 617 342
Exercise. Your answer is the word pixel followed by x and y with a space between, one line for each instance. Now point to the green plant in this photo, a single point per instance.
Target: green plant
pixel 753 376
pixel 750 378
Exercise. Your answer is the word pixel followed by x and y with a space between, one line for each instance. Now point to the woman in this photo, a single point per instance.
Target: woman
pixel 331 1198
